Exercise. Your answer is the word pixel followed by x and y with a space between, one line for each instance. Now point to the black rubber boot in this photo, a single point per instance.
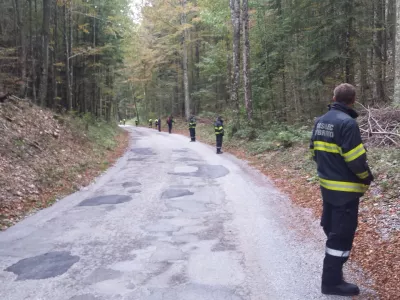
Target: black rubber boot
pixel 343 289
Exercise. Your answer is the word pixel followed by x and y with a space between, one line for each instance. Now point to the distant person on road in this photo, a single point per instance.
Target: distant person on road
pixel 151 123
pixel 159 124
pixel 219 133
pixel 344 177
pixel 156 123
pixel 136 122
pixel 170 120
pixel 124 121
pixel 192 128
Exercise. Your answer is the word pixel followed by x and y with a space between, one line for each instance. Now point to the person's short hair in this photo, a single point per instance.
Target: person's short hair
pixel 345 93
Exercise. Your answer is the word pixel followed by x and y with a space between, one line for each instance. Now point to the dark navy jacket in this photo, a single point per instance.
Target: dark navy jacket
pixel 341 157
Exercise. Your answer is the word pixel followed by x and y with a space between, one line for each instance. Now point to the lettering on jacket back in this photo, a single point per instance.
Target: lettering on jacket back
pixel 325 129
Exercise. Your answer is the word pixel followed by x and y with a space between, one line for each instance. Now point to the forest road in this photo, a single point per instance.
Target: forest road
pixel 170 221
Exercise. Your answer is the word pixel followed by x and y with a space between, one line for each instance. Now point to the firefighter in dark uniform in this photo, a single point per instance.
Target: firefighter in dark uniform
pixel 170 121
pixel 159 124
pixel 219 133
pixel 192 128
pixel 344 177
pixel 156 123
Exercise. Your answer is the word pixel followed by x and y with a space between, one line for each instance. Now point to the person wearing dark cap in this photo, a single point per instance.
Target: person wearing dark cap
pixel 219 133
pixel 170 121
pixel 192 128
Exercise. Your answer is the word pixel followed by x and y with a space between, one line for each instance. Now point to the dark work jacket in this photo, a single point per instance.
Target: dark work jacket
pixel 192 123
pixel 340 155
pixel 219 128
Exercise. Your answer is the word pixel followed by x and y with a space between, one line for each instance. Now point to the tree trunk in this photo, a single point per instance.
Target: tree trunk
pixel 54 73
pixel 71 67
pixel 349 49
pixel 379 25
pixel 185 61
pixel 235 17
pixel 396 98
pixel 45 52
pixel 246 62
pixel 67 55
pixel 22 45
pixel 33 64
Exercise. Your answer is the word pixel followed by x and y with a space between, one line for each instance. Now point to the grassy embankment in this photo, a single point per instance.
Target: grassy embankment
pixel 45 156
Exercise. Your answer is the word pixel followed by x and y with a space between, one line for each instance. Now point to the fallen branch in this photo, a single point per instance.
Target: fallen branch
pixel 380 127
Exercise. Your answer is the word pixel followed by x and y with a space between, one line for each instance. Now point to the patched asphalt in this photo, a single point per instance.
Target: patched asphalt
pixel 170 221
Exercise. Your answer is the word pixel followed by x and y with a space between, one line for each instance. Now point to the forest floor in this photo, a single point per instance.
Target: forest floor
pixel 285 160
pixel 45 156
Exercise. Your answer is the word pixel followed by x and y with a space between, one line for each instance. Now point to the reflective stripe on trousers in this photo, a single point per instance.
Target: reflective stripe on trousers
pixel 337 253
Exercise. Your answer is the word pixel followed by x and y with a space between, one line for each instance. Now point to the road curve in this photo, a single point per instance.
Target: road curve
pixel 170 221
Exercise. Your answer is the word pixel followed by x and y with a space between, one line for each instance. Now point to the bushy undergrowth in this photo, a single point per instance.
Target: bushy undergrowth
pixel 272 136
pixel 98 131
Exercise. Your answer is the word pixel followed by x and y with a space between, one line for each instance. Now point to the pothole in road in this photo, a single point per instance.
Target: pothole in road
pixel 143 151
pixel 102 200
pixel 137 159
pixel 84 297
pixel 134 191
pixel 131 184
pixel 175 193
pixel 187 206
pixel 224 245
pixel 180 150
pixel 185 169
pixel 102 274
pixel 215 231
pixel 186 159
pixel 44 266
pixel 194 291
pixel 206 171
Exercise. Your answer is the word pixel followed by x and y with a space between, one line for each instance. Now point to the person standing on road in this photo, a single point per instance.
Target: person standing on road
pixel 159 124
pixel 156 124
pixel 344 177
pixel 219 133
pixel 170 120
pixel 192 128
pixel 150 123
pixel 136 122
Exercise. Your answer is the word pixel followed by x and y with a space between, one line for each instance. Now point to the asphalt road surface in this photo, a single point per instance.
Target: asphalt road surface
pixel 170 221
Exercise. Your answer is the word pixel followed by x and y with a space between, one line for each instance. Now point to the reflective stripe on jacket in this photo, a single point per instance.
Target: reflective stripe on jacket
pixel 341 157
pixel 192 123
pixel 219 128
